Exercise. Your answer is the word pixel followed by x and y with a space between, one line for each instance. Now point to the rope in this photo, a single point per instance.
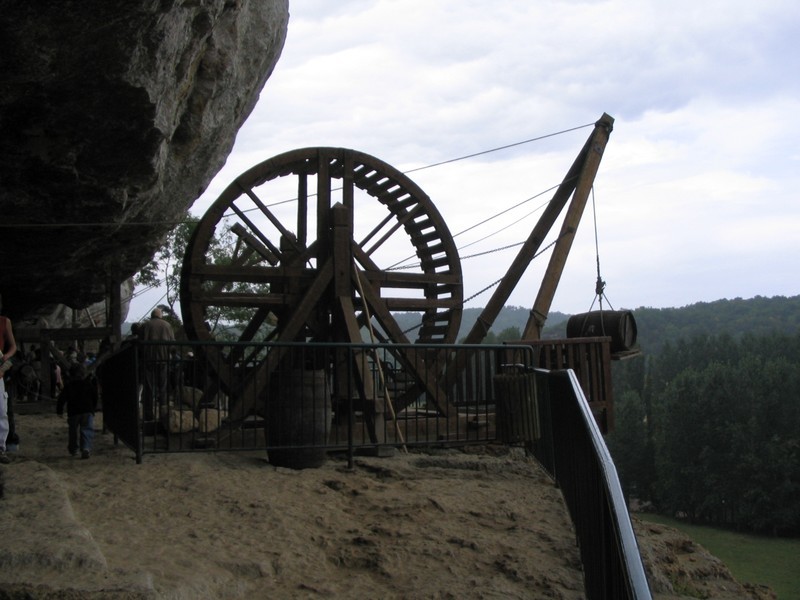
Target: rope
pixel 493 284
pixel 492 251
pixel 535 210
pixel 536 139
pixel 463 258
pixel 600 285
pixel 397 266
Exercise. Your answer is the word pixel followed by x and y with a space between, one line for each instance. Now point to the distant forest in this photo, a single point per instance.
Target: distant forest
pixel 656 326
pixel 507 326
pixel 708 416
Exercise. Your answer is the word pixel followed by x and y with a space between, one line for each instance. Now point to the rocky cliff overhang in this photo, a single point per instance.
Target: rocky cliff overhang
pixel 114 117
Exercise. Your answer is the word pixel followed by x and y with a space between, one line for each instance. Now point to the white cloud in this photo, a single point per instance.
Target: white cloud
pixel 697 193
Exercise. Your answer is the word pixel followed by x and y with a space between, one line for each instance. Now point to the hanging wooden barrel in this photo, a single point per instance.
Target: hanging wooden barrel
pixel 299 419
pixel 619 325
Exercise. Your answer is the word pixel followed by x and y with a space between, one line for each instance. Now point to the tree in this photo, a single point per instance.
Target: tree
pixel 166 265
pixel 630 446
pixel 509 334
pixel 727 420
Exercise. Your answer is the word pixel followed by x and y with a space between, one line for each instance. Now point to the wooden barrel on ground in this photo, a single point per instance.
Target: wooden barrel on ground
pixel 619 325
pixel 299 419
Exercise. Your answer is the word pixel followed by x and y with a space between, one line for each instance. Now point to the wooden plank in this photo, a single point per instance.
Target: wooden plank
pixel 302 209
pixel 254 244
pixel 608 392
pixel 251 273
pixel 285 233
pixel 405 279
pixel 256 231
pixel 401 221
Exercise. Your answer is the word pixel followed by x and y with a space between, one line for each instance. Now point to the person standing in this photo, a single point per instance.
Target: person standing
pixel 8 347
pixel 80 397
pixel 156 362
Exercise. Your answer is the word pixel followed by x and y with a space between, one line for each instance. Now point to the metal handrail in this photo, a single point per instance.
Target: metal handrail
pixel 574 452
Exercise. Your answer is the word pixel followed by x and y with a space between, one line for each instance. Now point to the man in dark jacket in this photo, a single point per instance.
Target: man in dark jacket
pixel 156 362
pixel 80 397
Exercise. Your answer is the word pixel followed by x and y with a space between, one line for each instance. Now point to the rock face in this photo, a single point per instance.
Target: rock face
pixel 114 117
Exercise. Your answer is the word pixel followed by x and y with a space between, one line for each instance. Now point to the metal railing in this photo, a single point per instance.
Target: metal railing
pixel 299 401
pixel 571 448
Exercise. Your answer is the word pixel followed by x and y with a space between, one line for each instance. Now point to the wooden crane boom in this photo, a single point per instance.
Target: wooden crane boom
pixel 577 183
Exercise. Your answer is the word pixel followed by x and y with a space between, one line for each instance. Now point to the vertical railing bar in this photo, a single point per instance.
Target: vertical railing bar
pixel 351 415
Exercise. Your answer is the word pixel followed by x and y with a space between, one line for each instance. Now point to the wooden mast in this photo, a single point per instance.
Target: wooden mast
pixel 583 186
pixel 579 180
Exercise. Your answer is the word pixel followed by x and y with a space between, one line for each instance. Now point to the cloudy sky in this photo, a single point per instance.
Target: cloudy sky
pixel 696 198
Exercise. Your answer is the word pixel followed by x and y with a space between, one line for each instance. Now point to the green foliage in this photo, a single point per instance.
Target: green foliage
pixel 226 323
pixel 758 316
pixel 708 418
pixel 723 415
pixel 166 263
pixel 509 334
pixel 657 327
pixel 631 444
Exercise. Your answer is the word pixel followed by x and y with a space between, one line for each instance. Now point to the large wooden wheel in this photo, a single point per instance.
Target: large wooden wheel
pixel 324 240
pixel 316 227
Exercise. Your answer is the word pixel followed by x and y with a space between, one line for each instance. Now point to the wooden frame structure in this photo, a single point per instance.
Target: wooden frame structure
pixel 317 276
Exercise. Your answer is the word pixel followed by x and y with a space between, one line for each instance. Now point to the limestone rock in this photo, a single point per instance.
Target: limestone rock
pixel 210 419
pixel 180 421
pixel 114 117
pixel 186 396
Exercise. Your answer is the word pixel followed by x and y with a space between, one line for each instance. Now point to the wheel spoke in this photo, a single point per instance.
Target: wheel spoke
pixel 254 243
pixel 285 233
pixel 272 247
pixel 400 222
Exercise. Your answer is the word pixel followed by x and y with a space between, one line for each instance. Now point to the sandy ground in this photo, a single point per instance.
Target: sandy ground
pixel 446 524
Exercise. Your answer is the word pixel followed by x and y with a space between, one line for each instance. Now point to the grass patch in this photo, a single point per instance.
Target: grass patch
pixel 754 559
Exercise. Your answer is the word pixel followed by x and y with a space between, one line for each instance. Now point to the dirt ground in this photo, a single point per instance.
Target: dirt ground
pixel 486 523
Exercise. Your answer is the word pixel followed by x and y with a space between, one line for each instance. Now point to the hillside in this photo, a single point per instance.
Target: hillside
pixel 756 316
pixel 737 317
pixel 486 523
pixel 510 316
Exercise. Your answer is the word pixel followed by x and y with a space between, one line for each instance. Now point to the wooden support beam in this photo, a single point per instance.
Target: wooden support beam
pixel 294 324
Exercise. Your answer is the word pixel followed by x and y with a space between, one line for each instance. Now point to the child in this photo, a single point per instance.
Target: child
pixel 80 397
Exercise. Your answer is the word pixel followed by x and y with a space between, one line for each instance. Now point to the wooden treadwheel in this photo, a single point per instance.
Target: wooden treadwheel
pixel 313 249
